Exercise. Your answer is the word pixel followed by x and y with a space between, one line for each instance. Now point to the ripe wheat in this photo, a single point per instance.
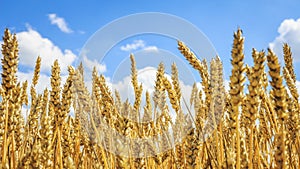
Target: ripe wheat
pixel 254 128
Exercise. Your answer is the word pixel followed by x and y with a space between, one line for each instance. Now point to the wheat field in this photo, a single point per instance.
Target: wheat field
pixel 255 124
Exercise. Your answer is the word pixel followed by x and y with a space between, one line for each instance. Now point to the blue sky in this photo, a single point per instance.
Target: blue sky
pixel 259 20
pixel 217 19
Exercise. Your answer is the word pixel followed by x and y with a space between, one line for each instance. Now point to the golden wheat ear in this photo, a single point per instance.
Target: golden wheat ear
pixel 288 60
pixel 138 89
pixel 279 101
pixel 37 70
pixel 198 65
pixel 10 60
pixel 237 80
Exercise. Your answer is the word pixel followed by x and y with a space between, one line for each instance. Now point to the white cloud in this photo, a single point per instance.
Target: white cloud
pixel 137 44
pixel 32 44
pixel 43 83
pixel 1 42
pixel 59 22
pixel 90 64
pixel 81 32
pixel 298 87
pixel 150 49
pixel 289 32
pixel 147 77
pixel 25 112
pixel 226 85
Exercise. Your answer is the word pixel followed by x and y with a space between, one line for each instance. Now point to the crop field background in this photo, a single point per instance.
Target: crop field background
pixel 149 84
pixel 224 129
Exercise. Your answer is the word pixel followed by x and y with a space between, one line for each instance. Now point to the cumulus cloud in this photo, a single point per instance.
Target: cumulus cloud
pixel 151 49
pixel 226 84
pixel 298 86
pixel 43 83
pixel 59 22
pixel 138 45
pixel 90 64
pixel 32 44
pixel 147 76
pixel 289 32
